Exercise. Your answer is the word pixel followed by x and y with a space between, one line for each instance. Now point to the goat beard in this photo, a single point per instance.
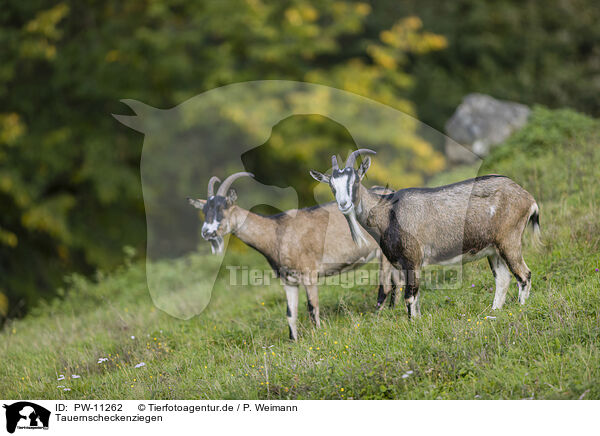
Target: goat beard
pixel 216 245
pixel 356 231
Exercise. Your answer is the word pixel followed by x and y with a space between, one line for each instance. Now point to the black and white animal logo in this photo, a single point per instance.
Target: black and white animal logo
pixel 26 415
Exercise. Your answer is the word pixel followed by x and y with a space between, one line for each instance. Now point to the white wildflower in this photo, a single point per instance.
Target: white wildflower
pixel 75 376
pixel 139 365
pixel 60 377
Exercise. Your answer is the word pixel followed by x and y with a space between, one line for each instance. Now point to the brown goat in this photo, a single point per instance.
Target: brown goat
pixel 481 217
pixel 301 245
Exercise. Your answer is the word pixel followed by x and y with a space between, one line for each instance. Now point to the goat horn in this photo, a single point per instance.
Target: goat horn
pixel 334 163
pixel 211 185
pixel 352 158
pixel 229 180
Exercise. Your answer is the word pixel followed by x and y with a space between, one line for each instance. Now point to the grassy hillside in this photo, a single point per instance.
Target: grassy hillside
pixel 548 348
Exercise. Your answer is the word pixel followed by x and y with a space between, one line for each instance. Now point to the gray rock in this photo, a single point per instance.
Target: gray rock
pixel 479 123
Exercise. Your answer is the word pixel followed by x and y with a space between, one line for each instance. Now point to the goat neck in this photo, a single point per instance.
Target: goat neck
pixel 357 218
pixel 255 230
pixel 368 202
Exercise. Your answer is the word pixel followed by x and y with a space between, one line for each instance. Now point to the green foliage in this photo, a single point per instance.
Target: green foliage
pixel 548 156
pixel 69 177
pixel 548 131
pixel 532 52
pixel 548 348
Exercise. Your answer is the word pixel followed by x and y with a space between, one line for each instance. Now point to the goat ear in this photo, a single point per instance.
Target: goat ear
pixel 231 197
pixel 197 203
pixel 364 166
pixel 319 177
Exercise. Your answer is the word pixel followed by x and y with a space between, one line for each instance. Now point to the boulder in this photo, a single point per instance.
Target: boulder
pixel 479 123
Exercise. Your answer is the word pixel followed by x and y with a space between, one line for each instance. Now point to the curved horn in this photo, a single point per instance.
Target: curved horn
pixel 211 185
pixel 334 163
pixel 229 180
pixel 352 158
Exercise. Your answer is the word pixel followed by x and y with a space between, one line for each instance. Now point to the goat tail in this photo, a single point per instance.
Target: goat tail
pixel 534 220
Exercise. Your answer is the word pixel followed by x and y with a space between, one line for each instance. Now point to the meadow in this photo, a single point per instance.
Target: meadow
pixel 238 347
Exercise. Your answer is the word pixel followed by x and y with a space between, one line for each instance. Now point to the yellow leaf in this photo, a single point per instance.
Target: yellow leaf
pixel 3 304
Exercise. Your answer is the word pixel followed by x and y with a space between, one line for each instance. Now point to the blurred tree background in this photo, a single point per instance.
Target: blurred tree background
pixel 521 50
pixel 70 187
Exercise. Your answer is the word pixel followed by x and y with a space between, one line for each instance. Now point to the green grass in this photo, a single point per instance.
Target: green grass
pixel 548 348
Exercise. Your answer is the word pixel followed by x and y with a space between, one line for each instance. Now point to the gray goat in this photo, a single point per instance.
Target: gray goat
pixel 481 217
pixel 301 245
